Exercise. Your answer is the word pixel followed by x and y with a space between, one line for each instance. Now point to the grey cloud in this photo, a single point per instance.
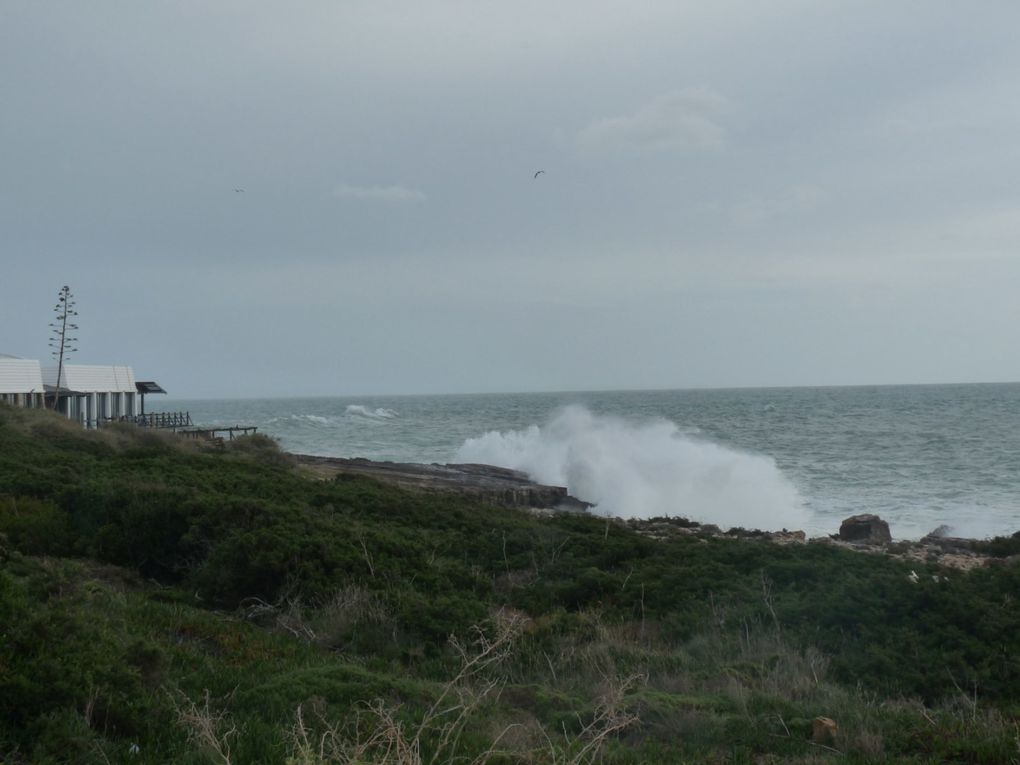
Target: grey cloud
pixel 861 164
pixel 798 199
pixel 686 119
pixel 396 194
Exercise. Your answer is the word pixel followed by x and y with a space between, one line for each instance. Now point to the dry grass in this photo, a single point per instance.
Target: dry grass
pixel 329 624
pixel 57 428
pixel 378 733
pixel 209 730
pixel 382 734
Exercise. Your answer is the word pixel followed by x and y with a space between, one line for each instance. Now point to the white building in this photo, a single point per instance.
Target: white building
pixel 21 382
pixel 93 393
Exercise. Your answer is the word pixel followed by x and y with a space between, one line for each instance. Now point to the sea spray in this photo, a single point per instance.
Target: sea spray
pixel 645 469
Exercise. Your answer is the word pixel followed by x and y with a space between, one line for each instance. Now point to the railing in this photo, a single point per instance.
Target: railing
pixel 180 423
pixel 155 420
pixel 218 434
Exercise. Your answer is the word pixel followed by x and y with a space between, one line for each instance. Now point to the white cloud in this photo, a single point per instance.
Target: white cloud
pixel 681 120
pixel 386 194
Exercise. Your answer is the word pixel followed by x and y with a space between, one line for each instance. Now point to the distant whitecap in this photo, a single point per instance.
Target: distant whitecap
pixel 318 420
pixel 357 410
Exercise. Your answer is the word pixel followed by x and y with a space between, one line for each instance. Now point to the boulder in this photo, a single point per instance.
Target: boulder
pixel 865 529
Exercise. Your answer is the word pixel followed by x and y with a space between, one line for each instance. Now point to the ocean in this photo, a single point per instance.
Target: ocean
pixel 920 456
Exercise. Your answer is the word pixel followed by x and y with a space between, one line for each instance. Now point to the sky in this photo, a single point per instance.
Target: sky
pixel 339 197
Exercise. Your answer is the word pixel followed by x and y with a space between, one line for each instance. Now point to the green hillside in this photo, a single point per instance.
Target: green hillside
pixel 162 600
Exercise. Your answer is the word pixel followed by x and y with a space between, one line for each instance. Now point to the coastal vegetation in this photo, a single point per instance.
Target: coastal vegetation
pixel 164 600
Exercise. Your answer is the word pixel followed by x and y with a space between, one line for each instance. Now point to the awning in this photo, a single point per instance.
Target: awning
pixel 52 390
pixel 148 387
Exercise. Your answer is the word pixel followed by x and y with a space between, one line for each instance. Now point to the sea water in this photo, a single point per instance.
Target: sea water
pixel 799 458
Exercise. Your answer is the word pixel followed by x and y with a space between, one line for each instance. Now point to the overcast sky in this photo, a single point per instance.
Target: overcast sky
pixel 793 192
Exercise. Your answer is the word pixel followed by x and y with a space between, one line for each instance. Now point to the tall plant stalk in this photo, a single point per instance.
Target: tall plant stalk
pixel 61 342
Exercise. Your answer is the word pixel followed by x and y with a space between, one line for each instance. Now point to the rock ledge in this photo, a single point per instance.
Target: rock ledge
pixel 488 483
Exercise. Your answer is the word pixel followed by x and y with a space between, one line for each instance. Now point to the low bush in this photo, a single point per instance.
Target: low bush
pixel 34 526
pixel 346 591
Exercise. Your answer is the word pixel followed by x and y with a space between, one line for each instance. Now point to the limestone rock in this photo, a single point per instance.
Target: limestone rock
pixel 785 536
pixel 487 483
pixel 865 529
pixel 940 538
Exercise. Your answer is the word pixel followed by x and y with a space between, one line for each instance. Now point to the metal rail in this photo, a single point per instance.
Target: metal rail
pixel 155 420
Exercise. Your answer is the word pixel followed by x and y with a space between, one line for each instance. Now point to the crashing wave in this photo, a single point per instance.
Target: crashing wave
pixel 647 469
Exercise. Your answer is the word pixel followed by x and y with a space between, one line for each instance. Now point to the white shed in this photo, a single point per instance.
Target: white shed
pixel 21 382
pixel 92 393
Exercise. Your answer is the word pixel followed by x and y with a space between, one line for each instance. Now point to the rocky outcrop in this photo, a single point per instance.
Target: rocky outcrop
pixel 865 529
pixel 940 539
pixel 487 483
pixel 665 528
pixel 783 536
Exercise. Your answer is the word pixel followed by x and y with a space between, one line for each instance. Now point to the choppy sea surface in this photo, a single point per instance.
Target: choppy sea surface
pixel 918 456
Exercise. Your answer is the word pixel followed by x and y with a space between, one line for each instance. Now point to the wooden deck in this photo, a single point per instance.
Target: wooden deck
pixel 209 434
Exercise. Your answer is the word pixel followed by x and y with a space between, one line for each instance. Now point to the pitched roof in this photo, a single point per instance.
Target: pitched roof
pixel 20 375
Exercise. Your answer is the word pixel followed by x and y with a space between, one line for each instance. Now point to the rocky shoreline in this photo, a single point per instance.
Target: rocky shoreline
pixel 511 488
pixel 487 483
pixel 937 548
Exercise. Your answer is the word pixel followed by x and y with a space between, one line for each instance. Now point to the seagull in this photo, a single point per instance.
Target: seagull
pixel 537 174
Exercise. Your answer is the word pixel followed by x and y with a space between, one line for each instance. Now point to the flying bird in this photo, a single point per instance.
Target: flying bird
pixel 537 174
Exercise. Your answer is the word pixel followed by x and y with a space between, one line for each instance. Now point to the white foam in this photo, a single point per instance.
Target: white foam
pixel 314 418
pixel 357 410
pixel 645 469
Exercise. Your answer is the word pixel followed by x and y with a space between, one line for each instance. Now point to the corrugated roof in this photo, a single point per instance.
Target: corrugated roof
pixel 20 375
pixel 93 378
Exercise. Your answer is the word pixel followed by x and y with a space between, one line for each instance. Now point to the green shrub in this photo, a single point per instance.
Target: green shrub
pixel 999 547
pixel 364 583
pixel 259 448
pixel 34 527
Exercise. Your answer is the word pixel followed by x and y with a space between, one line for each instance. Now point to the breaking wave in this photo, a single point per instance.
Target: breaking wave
pixel 298 418
pixel 646 469
pixel 357 410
